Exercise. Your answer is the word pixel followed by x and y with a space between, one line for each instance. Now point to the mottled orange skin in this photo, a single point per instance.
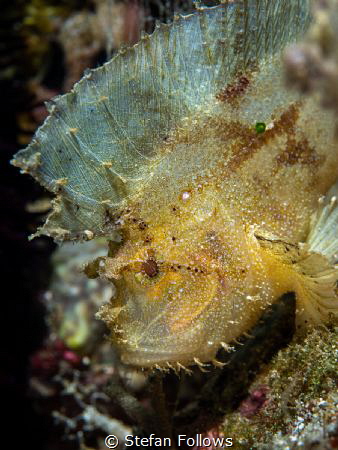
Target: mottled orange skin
pixel 224 232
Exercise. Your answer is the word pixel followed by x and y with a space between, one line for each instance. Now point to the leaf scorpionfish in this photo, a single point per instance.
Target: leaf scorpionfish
pixel 214 174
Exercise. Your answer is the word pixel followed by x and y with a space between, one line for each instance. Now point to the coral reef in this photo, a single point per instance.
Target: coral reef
pixel 73 299
pixel 293 403
pixel 84 35
pixel 70 371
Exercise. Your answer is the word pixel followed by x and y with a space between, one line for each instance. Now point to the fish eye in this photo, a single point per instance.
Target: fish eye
pixel 148 271
pixel 150 268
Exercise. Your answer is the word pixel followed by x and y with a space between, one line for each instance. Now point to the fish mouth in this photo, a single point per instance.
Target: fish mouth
pixel 167 318
pixel 147 357
pixel 150 358
pixel 160 346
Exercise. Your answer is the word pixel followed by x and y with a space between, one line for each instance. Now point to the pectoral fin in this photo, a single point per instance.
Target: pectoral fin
pixel 320 291
pixel 309 269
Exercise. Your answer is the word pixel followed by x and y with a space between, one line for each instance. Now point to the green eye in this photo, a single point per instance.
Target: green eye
pixel 260 127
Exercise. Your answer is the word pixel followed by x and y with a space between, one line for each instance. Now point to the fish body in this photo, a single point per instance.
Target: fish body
pixel 210 169
pixel 225 243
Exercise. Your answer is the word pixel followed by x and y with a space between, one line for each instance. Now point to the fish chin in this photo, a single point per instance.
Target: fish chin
pixel 167 320
pixel 158 342
pixel 155 351
pixel 172 324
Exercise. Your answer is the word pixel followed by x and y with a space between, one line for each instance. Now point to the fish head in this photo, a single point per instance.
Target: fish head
pixel 177 295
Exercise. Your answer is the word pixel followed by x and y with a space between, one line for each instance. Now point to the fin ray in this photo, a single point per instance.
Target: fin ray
pixel 320 266
pixel 323 237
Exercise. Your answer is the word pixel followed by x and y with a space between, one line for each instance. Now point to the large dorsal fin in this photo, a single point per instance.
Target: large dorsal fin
pixel 100 141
